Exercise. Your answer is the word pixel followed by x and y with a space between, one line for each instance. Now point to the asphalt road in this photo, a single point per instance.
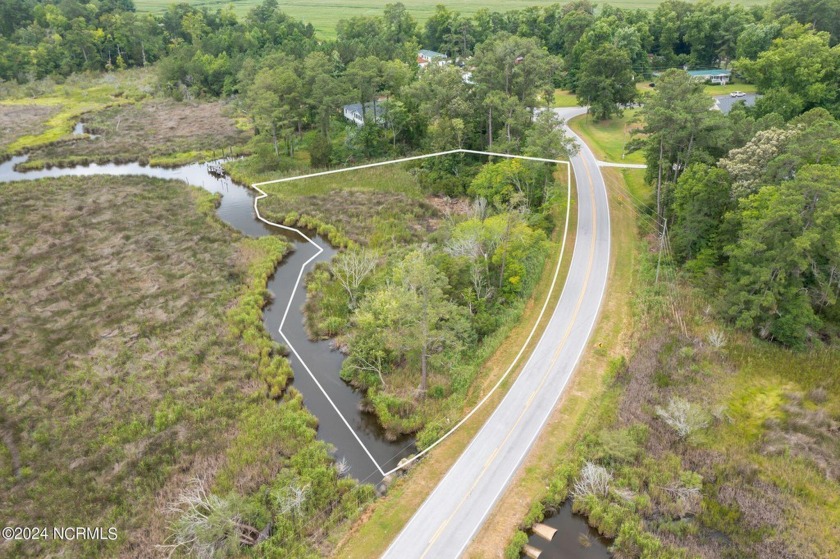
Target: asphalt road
pixel 451 516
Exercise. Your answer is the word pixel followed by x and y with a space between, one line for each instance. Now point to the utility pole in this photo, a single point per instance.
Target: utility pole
pixel 661 243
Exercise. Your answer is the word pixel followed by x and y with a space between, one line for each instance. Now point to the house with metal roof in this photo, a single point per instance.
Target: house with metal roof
pixel 426 57
pixel 718 77
pixel 353 112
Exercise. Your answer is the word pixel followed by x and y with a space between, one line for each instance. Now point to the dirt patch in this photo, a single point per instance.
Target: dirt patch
pixel 23 120
pixel 153 128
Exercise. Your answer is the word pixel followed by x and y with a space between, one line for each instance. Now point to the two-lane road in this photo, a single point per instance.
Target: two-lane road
pixel 450 517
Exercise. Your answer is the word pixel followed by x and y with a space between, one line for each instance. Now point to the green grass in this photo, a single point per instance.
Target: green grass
pixel 607 138
pixel 729 88
pixel 564 98
pixel 712 90
pixel 323 14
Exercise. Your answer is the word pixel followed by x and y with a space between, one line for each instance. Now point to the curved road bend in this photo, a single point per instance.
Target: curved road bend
pixel 452 514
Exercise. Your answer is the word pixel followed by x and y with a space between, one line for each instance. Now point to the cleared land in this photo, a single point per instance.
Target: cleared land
pixel 121 378
pixel 324 14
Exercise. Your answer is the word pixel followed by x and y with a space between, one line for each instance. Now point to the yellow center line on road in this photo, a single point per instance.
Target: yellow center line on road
pixel 556 356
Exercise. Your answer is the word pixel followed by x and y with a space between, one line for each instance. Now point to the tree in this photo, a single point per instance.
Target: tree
pixel 365 76
pixel 680 129
pixel 748 165
pixel 547 138
pixel 800 65
pixel 593 480
pixel 683 417
pixel 821 14
pixel 425 320
pixel 605 81
pixel 351 268
pixel 209 526
pixel 784 266
pixel 701 199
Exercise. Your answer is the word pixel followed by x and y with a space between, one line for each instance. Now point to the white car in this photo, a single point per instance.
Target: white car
pixel 737 94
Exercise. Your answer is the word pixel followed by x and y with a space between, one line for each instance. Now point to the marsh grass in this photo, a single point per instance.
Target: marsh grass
pixel 378 207
pixel 61 106
pixel 157 131
pixel 124 373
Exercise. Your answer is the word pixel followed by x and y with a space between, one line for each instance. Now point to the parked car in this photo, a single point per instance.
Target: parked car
pixel 737 94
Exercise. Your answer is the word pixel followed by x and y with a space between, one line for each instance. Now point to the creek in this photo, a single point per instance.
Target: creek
pixel 324 362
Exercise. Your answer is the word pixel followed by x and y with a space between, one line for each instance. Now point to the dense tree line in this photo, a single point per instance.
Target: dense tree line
pixel 752 203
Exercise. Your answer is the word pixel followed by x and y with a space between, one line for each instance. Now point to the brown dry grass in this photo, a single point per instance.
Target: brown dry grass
pixel 118 371
pixel 156 127
pixel 22 120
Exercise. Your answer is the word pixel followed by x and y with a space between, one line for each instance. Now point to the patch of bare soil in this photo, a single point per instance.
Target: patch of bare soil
pixel 23 120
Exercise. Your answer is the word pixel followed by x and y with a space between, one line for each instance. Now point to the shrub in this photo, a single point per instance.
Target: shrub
pixel 514 548
pixel 683 417
pixel 592 480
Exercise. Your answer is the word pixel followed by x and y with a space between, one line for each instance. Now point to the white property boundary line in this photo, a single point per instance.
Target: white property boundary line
pixel 263 194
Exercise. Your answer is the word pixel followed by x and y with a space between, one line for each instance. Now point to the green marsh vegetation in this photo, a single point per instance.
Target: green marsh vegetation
pixel 136 375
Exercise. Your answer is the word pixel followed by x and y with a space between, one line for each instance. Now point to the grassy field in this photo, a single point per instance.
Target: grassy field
pixel 608 138
pixel 121 375
pixel 377 207
pixel 323 14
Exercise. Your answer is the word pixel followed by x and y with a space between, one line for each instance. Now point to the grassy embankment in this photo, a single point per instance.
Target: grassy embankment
pixel 386 517
pixel 124 121
pixel 134 359
pixel 761 479
pixel 324 14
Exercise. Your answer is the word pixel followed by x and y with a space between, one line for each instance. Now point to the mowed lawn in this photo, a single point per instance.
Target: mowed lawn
pixel 323 14
pixel 608 138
